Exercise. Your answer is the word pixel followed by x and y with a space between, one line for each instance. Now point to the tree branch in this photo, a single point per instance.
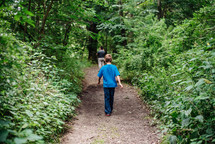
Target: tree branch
pixel 45 18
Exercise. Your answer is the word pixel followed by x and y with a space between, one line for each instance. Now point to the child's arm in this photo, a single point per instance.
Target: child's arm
pixel 99 80
pixel 118 78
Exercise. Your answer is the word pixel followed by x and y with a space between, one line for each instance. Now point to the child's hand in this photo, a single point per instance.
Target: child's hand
pixel 121 85
pixel 99 80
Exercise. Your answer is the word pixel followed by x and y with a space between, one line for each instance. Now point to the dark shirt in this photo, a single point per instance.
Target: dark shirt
pixel 101 54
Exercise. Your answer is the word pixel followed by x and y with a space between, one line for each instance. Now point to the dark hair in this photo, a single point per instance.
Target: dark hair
pixel 108 58
pixel 102 47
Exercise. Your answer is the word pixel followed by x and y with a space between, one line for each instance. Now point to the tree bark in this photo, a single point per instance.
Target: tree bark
pixel 42 30
pixel 45 18
pixel 159 10
pixel 38 19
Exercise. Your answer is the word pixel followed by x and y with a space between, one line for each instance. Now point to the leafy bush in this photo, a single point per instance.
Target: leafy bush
pixel 37 93
pixel 174 67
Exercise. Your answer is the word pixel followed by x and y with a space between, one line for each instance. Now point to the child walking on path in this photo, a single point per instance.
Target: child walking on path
pixel 109 72
pixel 101 55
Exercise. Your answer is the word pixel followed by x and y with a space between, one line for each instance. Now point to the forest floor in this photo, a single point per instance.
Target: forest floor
pixel 130 122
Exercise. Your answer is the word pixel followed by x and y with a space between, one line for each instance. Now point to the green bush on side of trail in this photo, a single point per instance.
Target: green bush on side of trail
pixel 37 93
pixel 175 69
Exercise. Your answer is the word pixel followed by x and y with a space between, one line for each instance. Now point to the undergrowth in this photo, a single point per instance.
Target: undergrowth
pixel 37 93
pixel 175 69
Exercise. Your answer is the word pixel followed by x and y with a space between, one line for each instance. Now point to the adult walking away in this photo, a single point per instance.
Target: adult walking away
pixel 109 72
pixel 101 55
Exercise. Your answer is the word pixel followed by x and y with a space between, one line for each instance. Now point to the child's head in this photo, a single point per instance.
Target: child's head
pixel 101 47
pixel 108 58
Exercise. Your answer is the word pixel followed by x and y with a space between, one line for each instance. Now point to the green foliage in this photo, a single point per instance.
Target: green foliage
pixel 37 95
pixel 175 11
pixel 43 44
pixel 174 67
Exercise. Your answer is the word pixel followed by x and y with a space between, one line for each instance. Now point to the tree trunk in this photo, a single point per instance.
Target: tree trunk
pixel 25 29
pixel 42 30
pixel 45 18
pixel 37 32
pixel 159 10
pixel 92 44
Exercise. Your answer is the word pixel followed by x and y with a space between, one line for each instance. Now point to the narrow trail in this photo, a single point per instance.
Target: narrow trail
pixel 129 123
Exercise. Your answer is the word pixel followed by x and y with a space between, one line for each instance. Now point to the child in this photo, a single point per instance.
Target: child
pixel 109 72
pixel 101 55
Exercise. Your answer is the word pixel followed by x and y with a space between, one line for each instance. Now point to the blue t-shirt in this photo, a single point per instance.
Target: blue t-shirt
pixel 109 72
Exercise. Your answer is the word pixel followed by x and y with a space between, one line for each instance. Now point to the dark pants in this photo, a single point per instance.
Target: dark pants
pixel 109 98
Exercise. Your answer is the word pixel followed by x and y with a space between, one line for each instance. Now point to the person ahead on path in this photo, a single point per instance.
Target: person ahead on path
pixel 109 72
pixel 101 55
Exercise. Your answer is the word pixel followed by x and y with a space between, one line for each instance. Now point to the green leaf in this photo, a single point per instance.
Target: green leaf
pixel 185 122
pixel 202 96
pixel 20 140
pixel 3 135
pixel 28 12
pixel 175 75
pixel 4 123
pixel 27 132
pixel 34 137
pixel 187 113
pixel 189 88
pixel 25 125
pixel 29 113
pixel 200 118
pixel 177 81
pixel 200 82
pixel 17 17
pixel 173 139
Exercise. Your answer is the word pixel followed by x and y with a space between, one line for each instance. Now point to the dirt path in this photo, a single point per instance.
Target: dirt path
pixel 128 124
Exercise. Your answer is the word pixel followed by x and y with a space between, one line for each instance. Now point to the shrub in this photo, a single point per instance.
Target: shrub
pixel 174 67
pixel 37 95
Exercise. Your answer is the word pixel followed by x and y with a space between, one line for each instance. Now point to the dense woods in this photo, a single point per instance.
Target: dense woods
pixel 165 47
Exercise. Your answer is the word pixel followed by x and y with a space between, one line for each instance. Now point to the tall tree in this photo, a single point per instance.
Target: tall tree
pixel 159 10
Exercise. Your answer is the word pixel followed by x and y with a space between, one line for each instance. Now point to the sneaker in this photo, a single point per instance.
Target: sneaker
pixel 107 114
